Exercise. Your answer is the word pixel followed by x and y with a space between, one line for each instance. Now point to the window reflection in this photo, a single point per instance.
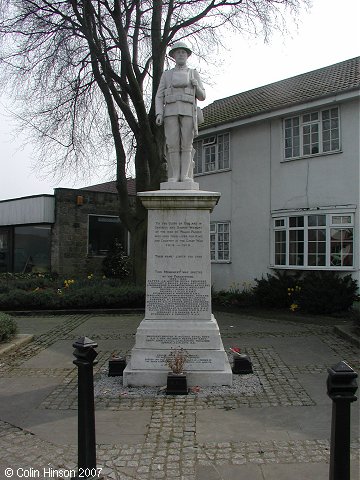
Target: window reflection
pixel 32 246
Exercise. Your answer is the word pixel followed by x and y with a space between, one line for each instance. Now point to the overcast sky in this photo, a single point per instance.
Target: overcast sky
pixel 327 34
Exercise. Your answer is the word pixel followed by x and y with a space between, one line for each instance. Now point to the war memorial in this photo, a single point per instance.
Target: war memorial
pixel 178 312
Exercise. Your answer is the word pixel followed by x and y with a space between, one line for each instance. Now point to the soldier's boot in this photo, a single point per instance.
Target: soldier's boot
pixel 173 166
pixel 187 166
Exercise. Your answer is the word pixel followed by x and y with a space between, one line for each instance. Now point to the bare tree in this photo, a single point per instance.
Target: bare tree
pixel 86 73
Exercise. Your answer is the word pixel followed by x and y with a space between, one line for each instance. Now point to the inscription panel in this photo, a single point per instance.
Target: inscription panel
pixel 195 361
pixel 178 270
pixel 178 339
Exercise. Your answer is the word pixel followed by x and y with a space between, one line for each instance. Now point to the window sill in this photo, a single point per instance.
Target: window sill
pixel 222 262
pixel 212 172
pixel 297 267
pixel 313 155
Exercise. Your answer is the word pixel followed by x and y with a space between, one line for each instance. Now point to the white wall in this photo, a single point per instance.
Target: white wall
pixel 324 180
pixel 245 199
pixel 260 182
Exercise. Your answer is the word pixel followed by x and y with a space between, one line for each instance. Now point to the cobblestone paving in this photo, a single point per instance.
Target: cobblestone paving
pixel 170 449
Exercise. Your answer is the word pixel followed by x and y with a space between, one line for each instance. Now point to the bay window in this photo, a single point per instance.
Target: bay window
pixel 321 240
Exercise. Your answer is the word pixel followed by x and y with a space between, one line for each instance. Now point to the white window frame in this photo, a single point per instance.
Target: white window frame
pixel 216 231
pixel 316 127
pixel 281 223
pixel 209 149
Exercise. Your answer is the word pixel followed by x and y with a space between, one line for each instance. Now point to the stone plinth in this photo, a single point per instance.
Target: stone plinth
pixel 178 293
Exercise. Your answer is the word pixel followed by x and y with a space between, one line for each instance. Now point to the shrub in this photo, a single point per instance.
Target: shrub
pixel 90 292
pixel 236 296
pixel 25 281
pixel 312 292
pixel 273 291
pixel 8 327
pixel 327 292
pixel 116 264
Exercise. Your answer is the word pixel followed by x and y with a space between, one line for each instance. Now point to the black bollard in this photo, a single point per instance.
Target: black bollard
pixel 341 388
pixel 85 360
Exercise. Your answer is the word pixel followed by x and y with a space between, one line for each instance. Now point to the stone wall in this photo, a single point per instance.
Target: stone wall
pixel 69 251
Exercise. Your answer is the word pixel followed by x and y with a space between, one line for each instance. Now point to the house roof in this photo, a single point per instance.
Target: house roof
pixel 110 187
pixel 334 79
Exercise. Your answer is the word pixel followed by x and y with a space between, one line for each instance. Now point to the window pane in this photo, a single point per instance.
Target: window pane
pixel 341 219
pixel 315 148
pixel 296 247
pixel 103 231
pixel 296 221
pixel 341 246
pixel 296 151
pixel 326 146
pixel 32 248
pixel 316 220
pixel 198 168
pixel 335 145
pixel 326 125
pixel 279 222
pixel 5 251
pixel 280 247
pixel 209 153
pixel 288 152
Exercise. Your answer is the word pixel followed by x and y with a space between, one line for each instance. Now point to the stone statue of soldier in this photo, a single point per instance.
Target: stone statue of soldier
pixel 176 108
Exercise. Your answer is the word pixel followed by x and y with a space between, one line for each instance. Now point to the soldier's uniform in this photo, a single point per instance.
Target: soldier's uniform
pixel 176 102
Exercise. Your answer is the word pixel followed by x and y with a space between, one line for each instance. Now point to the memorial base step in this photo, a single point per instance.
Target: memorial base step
pixel 158 378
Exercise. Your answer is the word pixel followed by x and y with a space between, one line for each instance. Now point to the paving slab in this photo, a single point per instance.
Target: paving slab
pixel 109 324
pixel 270 423
pixel 38 325
pixel 292 350
pixel 290 471
pixel 244 324
pixel 281 431
pixel 21 395
pixel 60 353
pixel 111 427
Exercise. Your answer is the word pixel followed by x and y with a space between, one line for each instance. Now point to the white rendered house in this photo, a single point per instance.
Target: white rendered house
pixel 286 159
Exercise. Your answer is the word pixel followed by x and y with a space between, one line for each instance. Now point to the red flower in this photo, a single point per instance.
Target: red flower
pixel 235 349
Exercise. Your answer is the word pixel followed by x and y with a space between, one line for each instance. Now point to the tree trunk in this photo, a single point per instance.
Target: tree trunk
pixel 138 252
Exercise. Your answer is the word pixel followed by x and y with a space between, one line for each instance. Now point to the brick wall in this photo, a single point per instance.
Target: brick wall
pixel 70 232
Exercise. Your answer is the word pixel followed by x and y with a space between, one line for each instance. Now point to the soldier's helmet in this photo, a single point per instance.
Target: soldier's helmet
pixel 178 46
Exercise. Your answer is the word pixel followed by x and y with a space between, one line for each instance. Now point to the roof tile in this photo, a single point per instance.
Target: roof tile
pixel 110 187
pixel 338 78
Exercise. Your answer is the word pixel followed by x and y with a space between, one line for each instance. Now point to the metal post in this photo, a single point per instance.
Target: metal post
pixel 341 388
pixel 85 360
